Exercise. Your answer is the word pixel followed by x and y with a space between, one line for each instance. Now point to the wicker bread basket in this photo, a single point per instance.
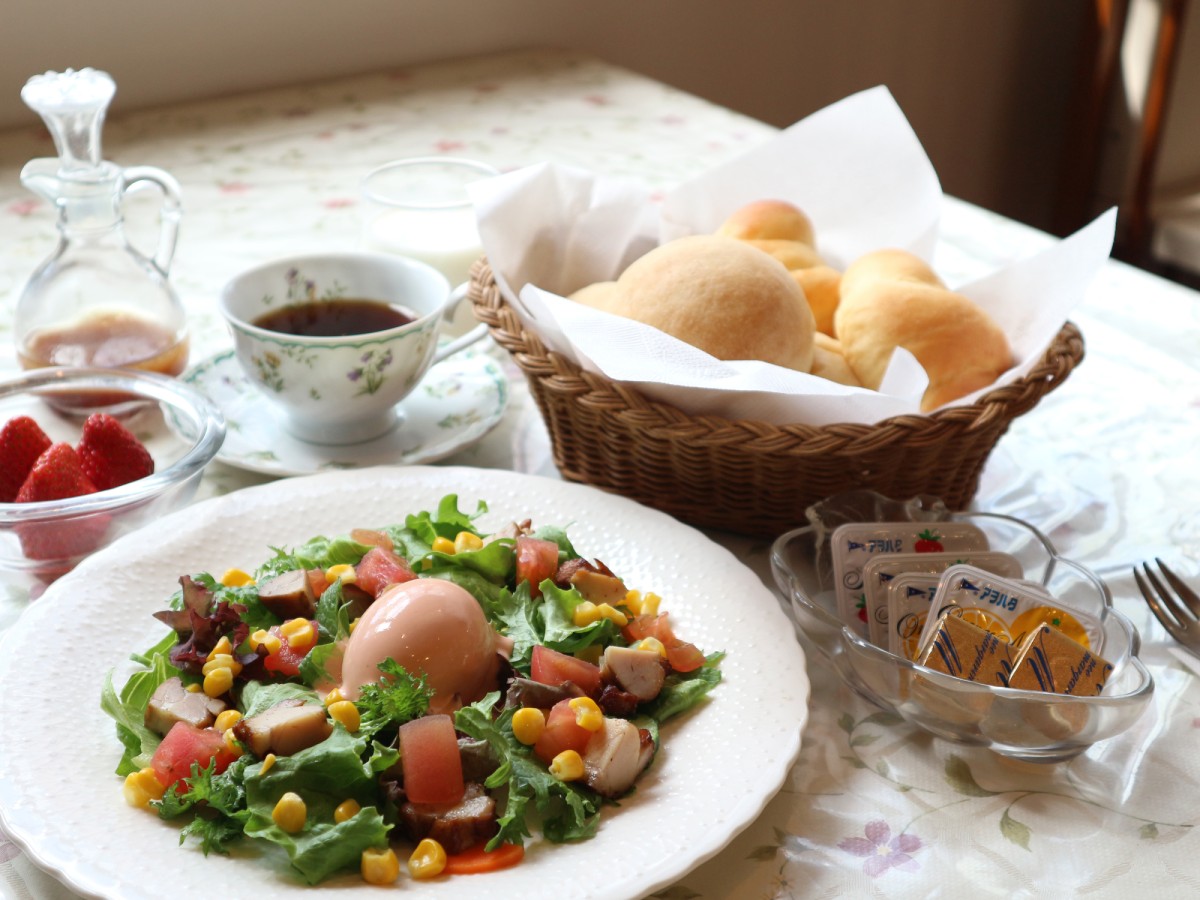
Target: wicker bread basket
pixel 752 477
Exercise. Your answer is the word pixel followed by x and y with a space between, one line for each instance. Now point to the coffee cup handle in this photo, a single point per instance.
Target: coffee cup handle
pixel 471 337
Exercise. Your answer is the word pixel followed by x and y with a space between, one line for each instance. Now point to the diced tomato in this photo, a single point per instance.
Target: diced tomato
pixel 562 733
pixel 286 660
pixel 371 537
pixel 317 582
pixel 650 626
pixel 186 744
pixel 476 860
pixel 537 560
pixel 684 657
pixel 381 567
pixel 430 760
pixel 551 667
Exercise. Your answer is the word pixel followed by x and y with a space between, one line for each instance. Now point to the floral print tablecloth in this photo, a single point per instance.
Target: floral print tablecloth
pixel 1105 466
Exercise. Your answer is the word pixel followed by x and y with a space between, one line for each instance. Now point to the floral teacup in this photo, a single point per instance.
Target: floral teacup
pixel 340 388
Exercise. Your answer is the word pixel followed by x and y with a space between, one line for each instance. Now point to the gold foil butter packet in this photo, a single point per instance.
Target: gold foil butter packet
pixel 1050 661
pixel 967 651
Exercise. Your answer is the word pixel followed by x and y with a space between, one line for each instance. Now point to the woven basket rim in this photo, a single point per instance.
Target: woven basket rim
pixel 1002 403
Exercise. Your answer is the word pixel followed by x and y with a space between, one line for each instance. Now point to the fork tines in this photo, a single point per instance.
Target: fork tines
pixel 1164 604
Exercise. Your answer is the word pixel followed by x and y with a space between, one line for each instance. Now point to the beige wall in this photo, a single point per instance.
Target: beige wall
pixel 985 83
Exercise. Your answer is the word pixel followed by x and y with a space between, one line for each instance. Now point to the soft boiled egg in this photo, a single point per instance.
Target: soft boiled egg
pixel 429 627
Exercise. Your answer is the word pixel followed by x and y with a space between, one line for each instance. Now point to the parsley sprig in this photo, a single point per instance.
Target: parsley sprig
pixel 394 698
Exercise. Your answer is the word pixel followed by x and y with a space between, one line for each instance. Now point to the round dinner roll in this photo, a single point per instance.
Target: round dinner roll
pixel 959 345
pixel 769 220
pixel 830 363
pixel 793 254
pixel 822 286
pixel 722 296
pixel 599 295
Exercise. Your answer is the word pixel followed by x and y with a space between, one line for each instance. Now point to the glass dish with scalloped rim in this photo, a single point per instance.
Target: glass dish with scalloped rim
pixel 1028 725
pixel 41 541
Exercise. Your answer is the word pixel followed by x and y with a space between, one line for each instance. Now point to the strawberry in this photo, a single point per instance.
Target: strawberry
pixel 110 454
pixel 22 441
pixel 57 474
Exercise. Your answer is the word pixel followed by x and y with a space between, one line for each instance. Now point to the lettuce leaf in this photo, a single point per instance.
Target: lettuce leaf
pixel 568 811
pixel 324 775
pixel 128 709
pixel 683 690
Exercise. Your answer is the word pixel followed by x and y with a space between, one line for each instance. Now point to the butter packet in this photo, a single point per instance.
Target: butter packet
pixel 910 597
pixel 1048 660
pixel 853 544
pixel 878 573
pixel 1009 608
pixel 967 651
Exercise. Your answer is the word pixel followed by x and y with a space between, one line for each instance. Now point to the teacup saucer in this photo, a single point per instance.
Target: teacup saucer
pixel 459 401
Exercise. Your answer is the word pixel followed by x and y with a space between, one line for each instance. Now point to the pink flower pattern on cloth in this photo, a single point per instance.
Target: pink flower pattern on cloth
pixel 882 851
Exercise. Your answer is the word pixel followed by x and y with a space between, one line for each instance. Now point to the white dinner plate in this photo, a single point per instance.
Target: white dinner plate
pixel 457 402
pixel 719 764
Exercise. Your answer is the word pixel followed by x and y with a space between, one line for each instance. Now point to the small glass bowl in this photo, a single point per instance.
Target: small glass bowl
pixel 46 540
pixel 1028 725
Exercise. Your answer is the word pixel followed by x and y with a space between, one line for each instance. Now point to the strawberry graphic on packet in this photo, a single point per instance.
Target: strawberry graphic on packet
pixel 22 441
pixel 928 541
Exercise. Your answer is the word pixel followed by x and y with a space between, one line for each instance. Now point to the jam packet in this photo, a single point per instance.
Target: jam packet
pixel 1009 608
pixel 855 543
pixel 878 573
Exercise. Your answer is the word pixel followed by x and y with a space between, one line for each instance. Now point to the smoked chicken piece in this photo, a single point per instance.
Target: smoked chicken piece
pixel 639 672
pixel 173 703
pixel 286 728
pixel 455 826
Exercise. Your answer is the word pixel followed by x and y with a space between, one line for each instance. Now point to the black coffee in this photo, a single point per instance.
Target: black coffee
pixel 334 318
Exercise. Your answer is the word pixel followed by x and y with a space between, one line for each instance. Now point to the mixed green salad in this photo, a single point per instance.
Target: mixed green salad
pixel 247 720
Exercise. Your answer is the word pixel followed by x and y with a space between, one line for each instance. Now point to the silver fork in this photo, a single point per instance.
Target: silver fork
pixel 1182 624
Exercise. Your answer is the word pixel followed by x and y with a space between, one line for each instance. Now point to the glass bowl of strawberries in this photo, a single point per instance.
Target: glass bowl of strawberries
pixel 87 455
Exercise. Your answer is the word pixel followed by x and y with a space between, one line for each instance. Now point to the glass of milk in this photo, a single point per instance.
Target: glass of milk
pixel 419 208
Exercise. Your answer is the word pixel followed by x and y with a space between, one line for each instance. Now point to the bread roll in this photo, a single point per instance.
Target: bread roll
pixel 599 295
pixel 830 363
pixel 769 220
pixel 822 289
pixel 793 254
pixel 722 296
pixel 892 299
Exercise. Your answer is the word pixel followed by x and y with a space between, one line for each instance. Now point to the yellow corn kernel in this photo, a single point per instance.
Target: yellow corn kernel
pixel 264 638
pixel 236 578
pixel 218 681
pixel 346 712
pixel 567 766
pixel 194 687
pixel 231 743
pixel 652 643
pixel 227 720
pixel 614 615
pixel 297 632
pixel 428 860
pixel 585 614
pixel 642 604
pixel 464 540
pixel 528 723
pixel 333 697
pixel 345 810
pixel 222 648
pixel 290 812
pixel 444 545
pixel 587 713
pixel 268 761
pixel 379 866
pixel 343 572
pixel 141 787
pixel 222 661
pixel 591 653
pixel 354 625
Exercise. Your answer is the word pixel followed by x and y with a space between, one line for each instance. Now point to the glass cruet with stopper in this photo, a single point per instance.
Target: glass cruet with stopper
pixel 96 301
